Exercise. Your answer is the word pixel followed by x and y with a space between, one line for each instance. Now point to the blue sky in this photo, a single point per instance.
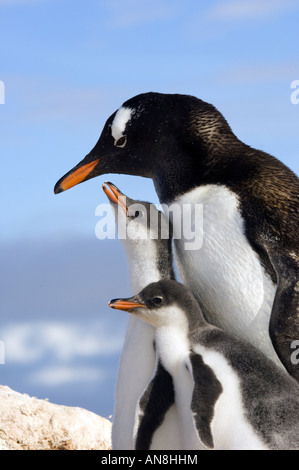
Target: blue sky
pixel 66 67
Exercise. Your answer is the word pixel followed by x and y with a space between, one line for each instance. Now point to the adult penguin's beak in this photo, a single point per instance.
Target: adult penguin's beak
pixel 81 172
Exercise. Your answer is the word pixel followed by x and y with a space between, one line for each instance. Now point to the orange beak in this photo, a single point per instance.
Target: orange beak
pixel 75 177
pixel 122 304
pixel 114 195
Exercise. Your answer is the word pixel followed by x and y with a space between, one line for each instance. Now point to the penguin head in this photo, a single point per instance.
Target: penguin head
pixel 147 135
pixel 163 303
pixel 137 220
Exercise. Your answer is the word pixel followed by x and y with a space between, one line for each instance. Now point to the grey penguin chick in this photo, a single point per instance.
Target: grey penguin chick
pixel 236 398
pixel 146 236
pixel 245 273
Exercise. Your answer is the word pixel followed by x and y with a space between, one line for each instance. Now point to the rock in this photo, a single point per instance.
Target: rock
pixel 3 445
pixel 28 423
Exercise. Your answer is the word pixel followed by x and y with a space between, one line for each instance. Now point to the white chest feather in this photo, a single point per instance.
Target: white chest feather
pixel 174 349
pixel 230 427
pixel 225 273
pixel 172 345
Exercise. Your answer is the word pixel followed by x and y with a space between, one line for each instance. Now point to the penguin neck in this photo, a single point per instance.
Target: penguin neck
pixel 172 344
pixel 149 261
pixel 199 164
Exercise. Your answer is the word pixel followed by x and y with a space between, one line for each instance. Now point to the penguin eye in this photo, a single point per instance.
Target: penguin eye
pixel 121 142
pixel 134 214
pixel 157 301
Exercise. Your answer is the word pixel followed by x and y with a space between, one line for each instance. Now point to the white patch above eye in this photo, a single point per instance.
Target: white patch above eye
pixel 120 122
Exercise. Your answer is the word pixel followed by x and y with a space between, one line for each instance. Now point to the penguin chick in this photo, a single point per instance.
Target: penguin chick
pixel 146 236
pixel 235 398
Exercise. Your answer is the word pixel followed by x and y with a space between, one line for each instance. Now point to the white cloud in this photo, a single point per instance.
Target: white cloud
pixel 260 73
pixel 215 21
pixel 10 3
pixel 135 12
pixel 41 98
pixel 56 376
pixel 18 347
pixel 249 9
pixel 59 341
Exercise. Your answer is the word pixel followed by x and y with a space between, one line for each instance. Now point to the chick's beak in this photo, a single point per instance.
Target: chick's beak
pixel 115 195
pixel 125 304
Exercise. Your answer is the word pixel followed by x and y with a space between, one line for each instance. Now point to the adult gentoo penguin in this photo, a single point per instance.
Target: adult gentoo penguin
pixel 229 393
pixel 146 236
pixel 249 260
